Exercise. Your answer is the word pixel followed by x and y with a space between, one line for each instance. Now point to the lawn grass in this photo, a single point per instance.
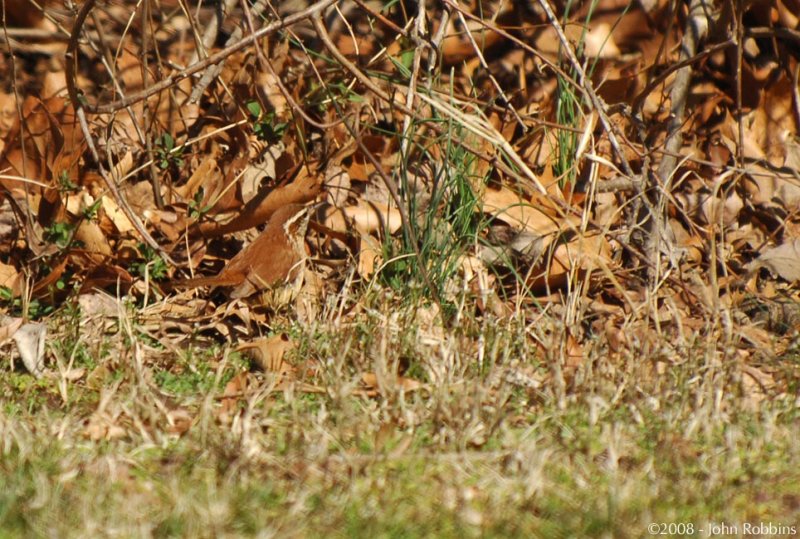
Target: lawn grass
pixel 491 450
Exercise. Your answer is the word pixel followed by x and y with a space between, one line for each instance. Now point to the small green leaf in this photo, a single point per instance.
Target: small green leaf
pixel 6 294
pixel 59 234
pixel 407 59
pixel 254 108
pixel 169 142
pixel 90 212
pixel 65 183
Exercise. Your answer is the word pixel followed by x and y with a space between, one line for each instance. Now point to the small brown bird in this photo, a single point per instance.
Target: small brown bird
pixel 273 258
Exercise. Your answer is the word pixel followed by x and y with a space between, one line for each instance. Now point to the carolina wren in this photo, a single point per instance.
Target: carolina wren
pixel 273 258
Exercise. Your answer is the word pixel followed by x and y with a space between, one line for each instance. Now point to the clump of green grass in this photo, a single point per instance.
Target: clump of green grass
pixel 441 202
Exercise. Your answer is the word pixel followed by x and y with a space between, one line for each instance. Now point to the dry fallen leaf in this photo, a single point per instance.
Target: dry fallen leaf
pixel 783 261
pixel 73 375
pixel 756 385
pixel 103 426
pixel 114 213
pixel 30 339
pixel 599 42
pixel 179 420
pixel 268 352
pixel 8 327
pixel 9 276
pixel 369 255
pixel 373 217
pixel 233 393
pixel 581 254
pixel 372 385
pixel 265 203
pixel 519 213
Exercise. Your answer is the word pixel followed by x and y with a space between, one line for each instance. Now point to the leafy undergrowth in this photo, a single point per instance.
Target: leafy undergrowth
pixel 399 268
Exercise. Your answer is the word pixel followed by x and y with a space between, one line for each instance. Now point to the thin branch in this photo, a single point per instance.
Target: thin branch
pixel 485 66
pixel 695 31
pixel 115 192
pixel 638 101
pixel 418 31
pixel 81 106
pixel 71 57
pixel 696 28
pixel 781 32
pixel 524 46
pixel 487 133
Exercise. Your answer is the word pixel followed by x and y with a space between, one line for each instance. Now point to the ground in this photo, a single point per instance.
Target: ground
pixel 502 270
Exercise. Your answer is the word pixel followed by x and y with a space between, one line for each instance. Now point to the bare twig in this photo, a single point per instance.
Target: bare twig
pixel 209 37
pixel 258 9
pixel 618 184
pixel 146 119
pixel 788 34
pixel 33 237
pixel 79 110
pixel 796 98
pixel 485 66
pixel 391 185
pixel 696 28
pixel 518 42
pixel 739 57
pixel 34 33
pixel 436 45
pixel 71 56
pixel 418 31
pixel 397 29
pixel 484 132
pixel 81 106
pixel 639 100
pixel 115 192
pixel 695 31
